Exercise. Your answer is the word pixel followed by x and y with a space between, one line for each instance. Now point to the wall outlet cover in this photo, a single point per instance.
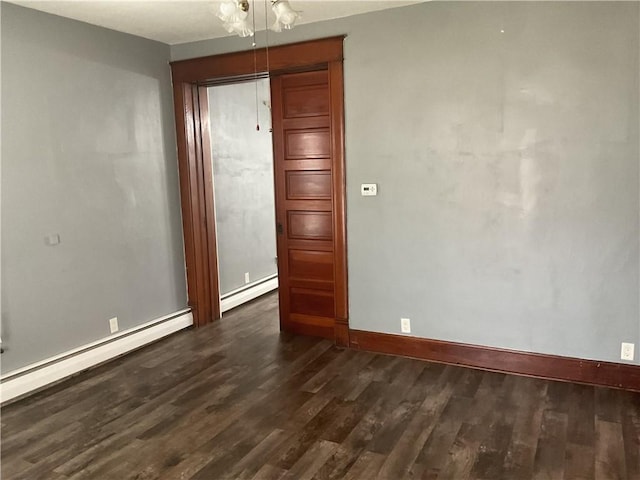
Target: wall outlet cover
pixel 246 278
pixel 405 325
pixel 627 351
pixel 113 324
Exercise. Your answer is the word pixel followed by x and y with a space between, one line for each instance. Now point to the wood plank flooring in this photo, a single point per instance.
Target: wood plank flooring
pixel 239 400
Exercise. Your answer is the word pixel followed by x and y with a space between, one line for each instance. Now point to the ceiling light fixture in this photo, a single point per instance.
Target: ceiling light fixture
pixel 235 13
pixel 234 16
pixel 286 16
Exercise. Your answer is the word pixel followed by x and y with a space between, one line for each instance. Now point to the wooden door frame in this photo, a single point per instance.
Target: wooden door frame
pixel 190 79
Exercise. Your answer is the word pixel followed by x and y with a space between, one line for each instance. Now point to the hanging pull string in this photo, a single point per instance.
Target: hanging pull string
pixel 255 66
pixel 266 48
pixel 266 32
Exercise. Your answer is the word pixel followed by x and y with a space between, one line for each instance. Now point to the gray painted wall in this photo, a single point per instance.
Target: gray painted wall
pixel 243 183
pixel 88 152
pixel 507 166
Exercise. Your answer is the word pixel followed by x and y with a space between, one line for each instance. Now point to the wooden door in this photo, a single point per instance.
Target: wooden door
pixel 307 139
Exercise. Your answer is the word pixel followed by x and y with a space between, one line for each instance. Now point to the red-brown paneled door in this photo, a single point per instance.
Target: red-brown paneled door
pixel 308 229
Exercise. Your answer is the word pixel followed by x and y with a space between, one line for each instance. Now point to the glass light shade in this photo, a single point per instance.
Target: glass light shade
pixel 286 16
pixel 227 9
pixel 242 28
pixel 235 18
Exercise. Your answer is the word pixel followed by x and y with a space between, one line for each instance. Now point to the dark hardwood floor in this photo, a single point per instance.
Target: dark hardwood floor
pixel 237 399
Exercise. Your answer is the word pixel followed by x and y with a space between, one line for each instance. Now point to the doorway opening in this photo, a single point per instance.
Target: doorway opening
pixel 308 150
pixel 243 188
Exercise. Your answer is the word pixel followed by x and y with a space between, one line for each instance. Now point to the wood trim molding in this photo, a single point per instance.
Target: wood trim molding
pixel 207 173
pixel 608 374
pixel 290 57
pixel 336 86
pixel 183 106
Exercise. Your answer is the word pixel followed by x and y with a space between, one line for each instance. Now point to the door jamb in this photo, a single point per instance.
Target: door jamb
pixel 190 78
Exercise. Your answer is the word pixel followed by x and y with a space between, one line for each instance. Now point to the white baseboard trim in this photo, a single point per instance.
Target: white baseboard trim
pixel 37 375
pixel 248 294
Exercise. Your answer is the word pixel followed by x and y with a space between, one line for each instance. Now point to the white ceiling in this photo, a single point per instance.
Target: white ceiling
pixel 181 21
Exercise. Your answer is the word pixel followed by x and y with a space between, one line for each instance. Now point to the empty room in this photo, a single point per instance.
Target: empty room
pixel 309 239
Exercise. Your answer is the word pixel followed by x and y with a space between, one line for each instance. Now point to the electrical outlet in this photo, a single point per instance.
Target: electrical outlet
pixel 405 325
pixel 626 351
pixel 113 324
pixel 246 277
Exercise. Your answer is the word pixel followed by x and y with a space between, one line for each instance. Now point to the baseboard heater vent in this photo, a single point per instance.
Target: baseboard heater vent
pixel 248 292
pixel 34 377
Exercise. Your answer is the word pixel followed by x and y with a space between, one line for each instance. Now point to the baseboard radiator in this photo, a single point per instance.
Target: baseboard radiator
pixel 34 377
pixel 248 292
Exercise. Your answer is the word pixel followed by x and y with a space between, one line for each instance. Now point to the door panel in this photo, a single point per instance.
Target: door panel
pixel 311 143
pixel 315 184
pixel 304 152
pixel 310 265
pixel 309 225
pixel 306 101
pixel 317 303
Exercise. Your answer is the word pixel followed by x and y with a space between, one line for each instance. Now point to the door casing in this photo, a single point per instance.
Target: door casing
pixel 190 80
